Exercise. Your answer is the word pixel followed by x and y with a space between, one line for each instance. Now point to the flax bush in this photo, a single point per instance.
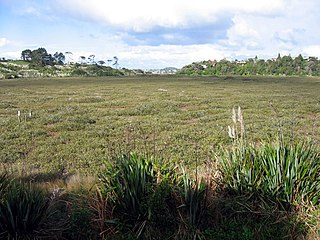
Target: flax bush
pixel 137 196
pixel 24 211
pixel 287 173
pixel 128 184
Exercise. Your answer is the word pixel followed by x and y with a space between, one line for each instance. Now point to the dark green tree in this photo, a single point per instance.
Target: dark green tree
pixel 59 58
pixel 40 57
pixel 101 62
pixel 91 59
pixel 26 55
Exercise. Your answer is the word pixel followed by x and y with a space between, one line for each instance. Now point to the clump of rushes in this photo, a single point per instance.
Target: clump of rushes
pixel 135 196
pixel 4 183
pixel 285 173
pixel 240 168
pixel 128 184
pixel 193 208
pixel 291 172
pixel 102 211
pixel 24 211
pixel 194 198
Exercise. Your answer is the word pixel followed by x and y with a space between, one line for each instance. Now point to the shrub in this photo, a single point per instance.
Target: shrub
pixel 24 211
pixel 140 192
pixel 4 183
pixel 291 173
pixel 193 194
pixel 128 182
pixel 285 173
pixel 79 72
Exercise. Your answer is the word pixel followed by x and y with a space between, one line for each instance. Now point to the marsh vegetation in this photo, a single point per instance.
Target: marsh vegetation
pixel 150 157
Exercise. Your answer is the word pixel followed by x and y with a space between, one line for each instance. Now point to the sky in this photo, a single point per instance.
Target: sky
pixel 153 34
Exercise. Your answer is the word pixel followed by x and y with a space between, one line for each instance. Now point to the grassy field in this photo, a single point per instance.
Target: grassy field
pixel 77 123
pixel 61 133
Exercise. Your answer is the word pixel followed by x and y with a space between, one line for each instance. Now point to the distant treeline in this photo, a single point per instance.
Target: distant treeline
pixel 41 63
pixel 40 57
pixel 285 65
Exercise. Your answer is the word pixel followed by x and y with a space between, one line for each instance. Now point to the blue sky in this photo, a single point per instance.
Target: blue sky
pixel 150 34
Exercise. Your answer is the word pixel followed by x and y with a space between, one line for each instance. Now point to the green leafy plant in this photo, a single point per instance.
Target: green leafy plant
pixel 134 194
pixel 128 182
pixel 241 169
pixel 23 212
pixel 194 199
pixel 285 173
pixel 4 183
pixel 291 172
pixel 193 209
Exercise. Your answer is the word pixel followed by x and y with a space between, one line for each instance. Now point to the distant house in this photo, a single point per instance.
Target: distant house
pixel 212 63
pixel 240 62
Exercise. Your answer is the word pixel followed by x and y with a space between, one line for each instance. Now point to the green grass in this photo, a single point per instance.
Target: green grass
pixel 18 62
pixel 77 122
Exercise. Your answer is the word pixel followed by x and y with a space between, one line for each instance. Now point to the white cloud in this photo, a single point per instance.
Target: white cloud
pixel 151 57
pixel 313 50
pixel 154 33
pixel 242 35
pixel 289 32
pixel 3 42
pixel 169 55
pixel 11 55
pixel 30 10
pixel 143 15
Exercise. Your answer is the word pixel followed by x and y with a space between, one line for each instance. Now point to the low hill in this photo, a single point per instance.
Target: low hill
pixel 285 65
pixel 21 69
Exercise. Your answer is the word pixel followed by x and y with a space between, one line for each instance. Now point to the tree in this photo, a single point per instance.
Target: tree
pixel 101 62
pixel 115 60
pixel 91 59
pixel 26 55
pixel 298 64
pixel 252 66
pixel 82 59
pixel 40 57
pixel 312 66
pixel 279 56
pixel 59 58
pixel 48 60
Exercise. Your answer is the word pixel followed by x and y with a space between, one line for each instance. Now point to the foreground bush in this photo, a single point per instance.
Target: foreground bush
pixel 129 182
pixel 138 190
pixel 25 211
pixel 22 211
pixel 256 196
pixel 4 183
pixel 288 174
